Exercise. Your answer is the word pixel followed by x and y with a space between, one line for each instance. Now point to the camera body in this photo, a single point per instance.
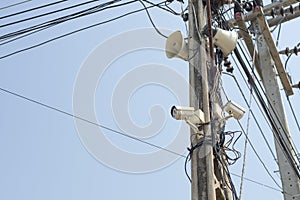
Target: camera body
pixel 234 110
pixel 187 113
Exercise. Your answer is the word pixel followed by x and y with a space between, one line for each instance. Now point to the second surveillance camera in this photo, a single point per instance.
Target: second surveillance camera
pixel 234 110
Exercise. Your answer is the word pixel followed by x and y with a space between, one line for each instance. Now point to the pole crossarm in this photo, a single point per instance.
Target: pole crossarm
pixel 281 19
pixel 273 51
pixel 267 9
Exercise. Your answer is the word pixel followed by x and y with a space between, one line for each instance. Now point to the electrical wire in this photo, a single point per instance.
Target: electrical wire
pixel 256 182
pixel 59 20
pixel 166 4
pixel 73 32
pixel 87 121
pixel 293 112
pixel 52 12
pixel 188 157
pixel 245 144
pixel 185 167
pixel 32 9
pixel 253 115
pixel 112 130
pixel 278 35
pixel 226 170
pixel 254 150
pixel 232 142
pixel 274 122
pixel 277 134
pixel 151 20
pixel 52 23
pixel 15 4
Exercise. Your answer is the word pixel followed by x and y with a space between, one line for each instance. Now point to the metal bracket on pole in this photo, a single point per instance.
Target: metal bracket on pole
pixel 273 51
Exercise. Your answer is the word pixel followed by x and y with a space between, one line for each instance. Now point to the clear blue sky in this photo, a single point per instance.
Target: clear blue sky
pixel 43 153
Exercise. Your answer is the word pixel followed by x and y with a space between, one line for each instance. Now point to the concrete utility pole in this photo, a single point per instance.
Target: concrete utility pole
pixel 289 178
pixel 205 173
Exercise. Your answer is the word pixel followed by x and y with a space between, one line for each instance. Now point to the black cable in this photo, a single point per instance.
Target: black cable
pixel 255 152
pixel 88 121
pixel 52 23
pixel 254 116
pixel 293 112
pixel 25 35
pixel 191 151
pixel 73 32
pixel 278 35
pixel 149 16
pixel 255 98
pixel 50 13
pixel 185 167
pixel 256 182
pixel 59 20
pixel 277 135
pixel 109 129
pixel 288 58
pixel 270 117
pixel 36 8
pixel 227 148
pixel 226 170
pixel 168 9
pixel 15 4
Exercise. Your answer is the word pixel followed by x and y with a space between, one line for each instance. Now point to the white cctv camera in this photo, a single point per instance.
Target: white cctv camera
pixel 187 114
pixel 234 110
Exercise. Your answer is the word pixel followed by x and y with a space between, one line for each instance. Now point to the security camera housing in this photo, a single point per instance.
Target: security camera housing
pixel 234 110
pixel 187 113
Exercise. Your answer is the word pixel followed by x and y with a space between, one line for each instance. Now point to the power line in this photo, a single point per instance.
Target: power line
pixel 293 112
pixel 59 20
pixel 151 20
pixel 275 127
pixel 40 27
pixel 256 182
pixel 49 13
pixel 274 123
pixel 15 4
pixel 51 23
pixel 245 145
pixel 88 121
pixel 253 115
pixel 267 111
pixel 75 31
pixel 115 131
pixel 254 150
pixel 168 9
pixel 32 9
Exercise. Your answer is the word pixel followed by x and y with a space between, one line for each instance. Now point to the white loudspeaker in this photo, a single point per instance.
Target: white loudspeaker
pixel 176 46
pixel 226 40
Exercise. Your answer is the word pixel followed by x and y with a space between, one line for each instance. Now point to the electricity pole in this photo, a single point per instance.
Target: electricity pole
pixel 269 66
pixel 206 174
pixel 288 169
pixel 202 185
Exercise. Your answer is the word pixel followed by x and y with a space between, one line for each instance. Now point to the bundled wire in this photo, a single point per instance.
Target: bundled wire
pixel 189 156
pixel 232 155
pixel 78 30
pixel 60 20
pixel 219 155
